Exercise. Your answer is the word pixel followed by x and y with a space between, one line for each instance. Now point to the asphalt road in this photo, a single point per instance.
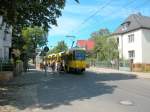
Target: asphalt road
pixel 90 92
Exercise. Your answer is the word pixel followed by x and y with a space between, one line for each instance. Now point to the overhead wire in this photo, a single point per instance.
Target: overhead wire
pixel 96 12
pixel 126 5
pixel 93 14
pixel 100 9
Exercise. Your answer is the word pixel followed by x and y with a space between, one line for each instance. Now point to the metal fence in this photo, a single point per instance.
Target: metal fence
pixel 123 65
pixel 105 64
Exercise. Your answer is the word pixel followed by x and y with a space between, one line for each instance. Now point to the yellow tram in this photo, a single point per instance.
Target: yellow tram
pixel 75 60
pixel 72 60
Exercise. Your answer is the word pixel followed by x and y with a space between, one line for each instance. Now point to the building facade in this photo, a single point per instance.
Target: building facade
pixel 5 39
pixel 133 37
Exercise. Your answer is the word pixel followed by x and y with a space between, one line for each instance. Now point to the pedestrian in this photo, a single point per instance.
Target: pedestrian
pixel 45 67
pixel 53 65
pixel 112 63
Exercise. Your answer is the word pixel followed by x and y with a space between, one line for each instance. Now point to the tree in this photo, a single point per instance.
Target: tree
pixel 61 46
pixel 113 48
pixel 34 37
pixel 100 33
pixel 29 13
pixel 106 47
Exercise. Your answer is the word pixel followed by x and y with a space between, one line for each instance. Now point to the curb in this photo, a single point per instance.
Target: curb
pixel 108 70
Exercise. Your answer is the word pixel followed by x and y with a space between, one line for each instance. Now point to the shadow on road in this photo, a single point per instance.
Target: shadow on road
pixel 113 76
pixel 52 90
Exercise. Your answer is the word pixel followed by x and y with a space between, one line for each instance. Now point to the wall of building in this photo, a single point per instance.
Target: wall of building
pixel 125 46
pixel 5 39
pixel 146 46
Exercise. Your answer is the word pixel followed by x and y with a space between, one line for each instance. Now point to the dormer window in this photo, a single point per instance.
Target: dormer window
pixel 125 25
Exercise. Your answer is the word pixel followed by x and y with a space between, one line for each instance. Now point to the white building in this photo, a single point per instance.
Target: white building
pixel 133 36
pixel 5 39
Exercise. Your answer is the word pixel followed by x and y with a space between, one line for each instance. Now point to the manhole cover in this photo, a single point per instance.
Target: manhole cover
pixel 126 102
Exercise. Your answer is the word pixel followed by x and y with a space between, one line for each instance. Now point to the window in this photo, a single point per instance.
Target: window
pixel 79 55
pixel 131 54
pixel 6 52
pixel 131 38
pixel 125 25
pixel 5 37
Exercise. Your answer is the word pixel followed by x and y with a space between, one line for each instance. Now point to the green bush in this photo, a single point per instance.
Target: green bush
pixel 18 61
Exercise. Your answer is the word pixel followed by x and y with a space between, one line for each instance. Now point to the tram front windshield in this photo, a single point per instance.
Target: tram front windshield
pixel 79 55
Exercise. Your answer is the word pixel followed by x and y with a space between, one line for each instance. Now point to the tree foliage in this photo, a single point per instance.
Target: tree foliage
pixel 102 32
pixel 61 46
pixel 106 47
pixel 29 13
pixel 33 37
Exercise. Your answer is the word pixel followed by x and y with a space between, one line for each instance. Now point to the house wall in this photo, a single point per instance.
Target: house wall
pixel 5 43
pixel 1 42
pixel 125 46
pixel 146 46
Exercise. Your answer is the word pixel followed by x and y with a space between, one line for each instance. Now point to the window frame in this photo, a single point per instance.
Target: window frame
pixel 131 54
pixel 131 38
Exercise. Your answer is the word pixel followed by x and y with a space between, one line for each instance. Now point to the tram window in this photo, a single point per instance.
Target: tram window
pixel 79 55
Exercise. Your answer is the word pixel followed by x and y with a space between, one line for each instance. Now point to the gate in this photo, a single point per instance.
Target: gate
pixel 124 65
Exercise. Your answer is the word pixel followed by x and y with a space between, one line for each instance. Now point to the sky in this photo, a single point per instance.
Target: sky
pixel 81 20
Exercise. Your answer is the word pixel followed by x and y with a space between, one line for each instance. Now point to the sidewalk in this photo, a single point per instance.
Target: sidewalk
pixel 13 93
pixel 106 70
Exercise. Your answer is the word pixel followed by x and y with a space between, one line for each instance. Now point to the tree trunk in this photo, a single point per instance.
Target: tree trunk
pixel 34 59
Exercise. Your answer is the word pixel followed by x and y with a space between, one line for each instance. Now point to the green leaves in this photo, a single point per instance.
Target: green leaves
pixel 106 47
pixel 32 12
pixel 34 37
pixel 61 46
